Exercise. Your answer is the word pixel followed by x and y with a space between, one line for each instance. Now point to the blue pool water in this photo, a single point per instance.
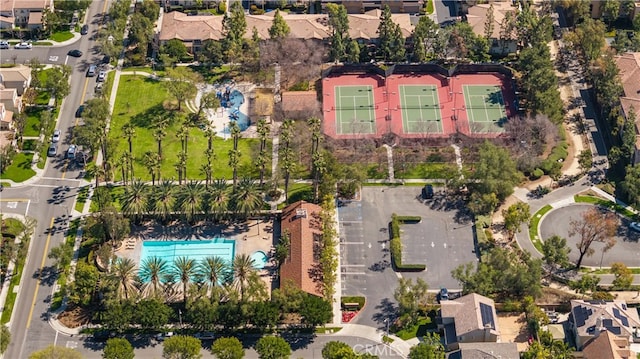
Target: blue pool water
pixel 259 259
pixel 196 250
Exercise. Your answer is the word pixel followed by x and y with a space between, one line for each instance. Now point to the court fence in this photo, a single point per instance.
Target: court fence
pixel 358 69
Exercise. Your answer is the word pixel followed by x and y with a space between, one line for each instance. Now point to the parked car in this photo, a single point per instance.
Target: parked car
pixel 444 294
pixel 634 226
pixel 98 88
pixel 83 158
pixel 75 53
pixel 4 45
pixel 91 71
pixel 71 152
pixel 102 76
pixel 84 30
pixel 56 136
pixel 53 149
pixel 162 336
pixel 205 336
pixel 103 335
pixel 79 111
pixel 23 46
pixel 427 192
pixel 106 59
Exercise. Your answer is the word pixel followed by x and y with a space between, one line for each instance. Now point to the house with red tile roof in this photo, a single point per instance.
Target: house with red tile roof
pixel 301 222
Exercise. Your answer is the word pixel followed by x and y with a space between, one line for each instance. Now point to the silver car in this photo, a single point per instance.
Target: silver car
pixel 56 136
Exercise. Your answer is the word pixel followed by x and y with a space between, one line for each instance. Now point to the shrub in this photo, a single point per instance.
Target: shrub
pixel 353 299
pixel 395 245
pixel 537 173
pixel 222 7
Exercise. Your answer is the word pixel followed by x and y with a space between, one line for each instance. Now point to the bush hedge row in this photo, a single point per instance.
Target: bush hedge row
pixel 396 245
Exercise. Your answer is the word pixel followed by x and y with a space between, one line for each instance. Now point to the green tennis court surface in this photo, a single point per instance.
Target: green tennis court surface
pixel 420 109
pixel 485 108
pixel 355 110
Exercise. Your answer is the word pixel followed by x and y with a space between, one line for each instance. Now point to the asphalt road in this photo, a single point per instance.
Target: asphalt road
pixel 626 250
pixel 442 240
pixel 47 200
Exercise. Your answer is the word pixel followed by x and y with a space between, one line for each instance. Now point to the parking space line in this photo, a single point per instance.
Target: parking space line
pixel 351 242
pixel 353 265
pixel 353 273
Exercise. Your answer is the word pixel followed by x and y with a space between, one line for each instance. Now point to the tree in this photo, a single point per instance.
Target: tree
pixel 213 271
pixel 175 49
pixel 234 153
pixel 586 283
pixel 57 82
pixel 84 284
pixel 184 268
pixel 594 226
pixel 489 23
pixel 411 297
pixel 152 161
pixel 5 338
pixel 279 27
pixel 124 271
pixel 55 352
pixel 425 39
pixel 190 200
pixel 202 313
pixel 339 24
pixel 265 314
pixel 315 310
pixel 181 82
pixel 135 200
pixel 286 153
pixel 234 26
pixel 611 10
pixel 152 314
pixel 495 171
pixel 163 199
pixel 426 351
pixel 218 198
pixel 623 276
pixel 555 251
pixel 181 347
pixel 152 272
pixel 211 52
pixel 246 198
pixel 515 216
pixel 263 134
pixel 243 266
pixel 118 348
pixel 272 347
pixel 390 39
pixel 339 350
pixel 631 184
pixel 590 34
pixel 62 255
pixel 227 348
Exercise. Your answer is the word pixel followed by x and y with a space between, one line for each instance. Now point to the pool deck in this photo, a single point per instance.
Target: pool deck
pixel 250 236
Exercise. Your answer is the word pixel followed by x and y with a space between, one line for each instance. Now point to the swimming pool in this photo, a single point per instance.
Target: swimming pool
pixel 196 249
pixel 260 259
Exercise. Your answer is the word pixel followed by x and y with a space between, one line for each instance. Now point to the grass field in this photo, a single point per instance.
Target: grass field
pixel 20 170
pixel 32 126
pixel 61 36
pixel 533 226
pixel 141 112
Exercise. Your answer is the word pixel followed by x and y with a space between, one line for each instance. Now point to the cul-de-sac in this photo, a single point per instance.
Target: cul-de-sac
pixel 320 179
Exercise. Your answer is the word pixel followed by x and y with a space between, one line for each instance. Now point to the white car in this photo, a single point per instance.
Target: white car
pixel 162 336
pixel 102 76
pixel 56 136
pixel 635 226
pixel 23 45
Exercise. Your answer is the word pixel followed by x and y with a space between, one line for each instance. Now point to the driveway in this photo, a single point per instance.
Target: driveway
pixel 442 240
pixel 626 250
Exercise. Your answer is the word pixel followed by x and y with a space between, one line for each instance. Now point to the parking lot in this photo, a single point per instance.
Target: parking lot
pixel 442 241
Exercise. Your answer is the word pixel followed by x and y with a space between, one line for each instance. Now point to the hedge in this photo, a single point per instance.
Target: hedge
pixel 395 245
pixel 353 299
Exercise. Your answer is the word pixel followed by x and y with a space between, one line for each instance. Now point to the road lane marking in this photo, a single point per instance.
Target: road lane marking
pixel 44 258
pixel 14 200
pixel 84 92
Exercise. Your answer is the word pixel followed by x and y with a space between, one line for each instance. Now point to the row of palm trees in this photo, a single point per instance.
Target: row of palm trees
pixel 158 278
pixel 216 200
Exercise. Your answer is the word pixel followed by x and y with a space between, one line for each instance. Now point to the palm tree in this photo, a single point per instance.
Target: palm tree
pixel 183 135
pixel 213 271
pixel 181 166
pixel 124 272
pixel 207 170
pixel 190 199
pixel 152 161
pixel 152 272
pixel 183 269
pixel 286 153
pixel 234 154
pixel 97 172
pixel 246 198
pixel 263 134
pixel 158 134
pixel 243 267
pixel 129 132
pixel 135 200
pixel 319 168
pixel 163 200
pixel 317 159
pixel 218 198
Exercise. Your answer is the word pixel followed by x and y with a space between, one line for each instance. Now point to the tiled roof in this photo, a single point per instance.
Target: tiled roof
pixel 466 312
pixel 478 15
pixel 613 315
pixel 35 17
pixel 31 4
pixel 607 346
pixel 485 351
pixel 301 220
pixel 177 25
pixel 17 73
pixel 300 101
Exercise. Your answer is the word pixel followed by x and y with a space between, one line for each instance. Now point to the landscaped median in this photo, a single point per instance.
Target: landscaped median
pixel 396 244
pixel 533 226
pixel 621 209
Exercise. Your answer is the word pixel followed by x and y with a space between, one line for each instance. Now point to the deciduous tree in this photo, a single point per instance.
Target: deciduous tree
pixel 118 348
pixel 593 226
pixel 181 347
pixel 515 216
pixel 272 347
pixel 227 348
pixel 181 83
pixel 555 251
pixel 411 297
pixel 56 352
pixel 623 276
pixel 495 172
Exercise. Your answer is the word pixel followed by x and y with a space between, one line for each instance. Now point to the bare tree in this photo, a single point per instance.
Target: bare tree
pixel 594 226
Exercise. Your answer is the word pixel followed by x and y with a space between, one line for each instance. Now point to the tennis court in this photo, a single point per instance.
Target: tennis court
pixel 355 110
pixel 420 109
pixel 485 108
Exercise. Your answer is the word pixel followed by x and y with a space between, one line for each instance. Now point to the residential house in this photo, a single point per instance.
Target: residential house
pixel 499 42
pixel 589 318
pixel 468 319
pixel 301 222
pixel 485 351
pixel 17 77
pixel 9 98
pixel 193 30
pixel 26 14
pixel 629 66
pixel 6 119
pixel 362 6
pixel 606 345
pixel 300 104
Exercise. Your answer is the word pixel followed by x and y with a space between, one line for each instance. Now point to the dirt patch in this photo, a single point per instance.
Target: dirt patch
pixel 74 317
pixel 552 296
pixel 513 329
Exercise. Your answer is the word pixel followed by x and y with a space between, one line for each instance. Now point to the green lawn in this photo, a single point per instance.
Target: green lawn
pixel 61 36
pixel 20 170
pixel 533 226
pixel 429 170
pixel 212 75
pixel 29 145
pixel 17 273
pixel 418 330
pixel 83 195
pixel 140 110
pixel 32 126
pixel 116 193
pixel 43 98
pixel 605 203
